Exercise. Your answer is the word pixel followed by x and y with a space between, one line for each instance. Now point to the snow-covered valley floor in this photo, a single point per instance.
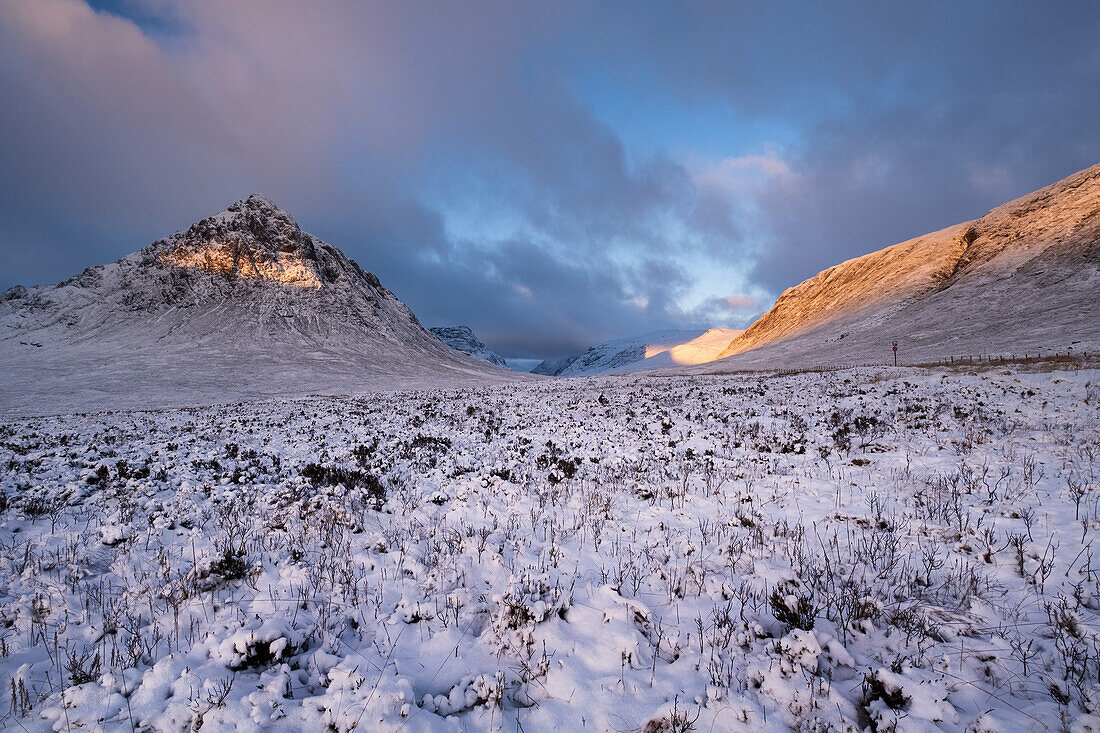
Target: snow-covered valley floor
pixel 865 549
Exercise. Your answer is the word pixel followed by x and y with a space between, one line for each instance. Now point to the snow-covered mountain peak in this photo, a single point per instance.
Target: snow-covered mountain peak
pixel 241 303
pixel 654 350
pixel 462 338
pixel 255 240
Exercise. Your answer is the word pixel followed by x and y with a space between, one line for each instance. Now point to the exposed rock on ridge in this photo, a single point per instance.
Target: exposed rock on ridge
pixel 462 338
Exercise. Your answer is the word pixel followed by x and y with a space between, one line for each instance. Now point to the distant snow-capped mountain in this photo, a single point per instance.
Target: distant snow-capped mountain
pixel 242 304
pixel 653 350
pixel 462 338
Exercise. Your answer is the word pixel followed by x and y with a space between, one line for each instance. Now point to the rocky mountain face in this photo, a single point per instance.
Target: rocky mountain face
pixel 241 304
pixel 462 338
pixel 655 350
pixel 1023 278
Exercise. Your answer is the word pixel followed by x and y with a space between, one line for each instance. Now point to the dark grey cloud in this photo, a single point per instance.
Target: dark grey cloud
pixel 463 153
pixel 913 116
pixel 893 174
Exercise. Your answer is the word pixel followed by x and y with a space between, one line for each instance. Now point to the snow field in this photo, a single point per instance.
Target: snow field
pixel 896 550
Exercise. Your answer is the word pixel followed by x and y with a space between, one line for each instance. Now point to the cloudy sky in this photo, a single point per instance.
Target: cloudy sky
pixel 551 174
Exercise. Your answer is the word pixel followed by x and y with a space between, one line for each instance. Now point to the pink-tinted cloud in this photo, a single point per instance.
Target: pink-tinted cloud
pixel 740 302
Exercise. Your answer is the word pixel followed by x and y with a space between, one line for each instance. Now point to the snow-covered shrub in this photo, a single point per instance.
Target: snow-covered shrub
pixel 674 721
pixel 792 605
pixel 257 648
pixel 82 667
pixel 882 700
pixel 349 478
pixel 849 429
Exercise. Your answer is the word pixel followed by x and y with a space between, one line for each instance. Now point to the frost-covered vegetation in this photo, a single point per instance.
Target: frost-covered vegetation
pixel 843 551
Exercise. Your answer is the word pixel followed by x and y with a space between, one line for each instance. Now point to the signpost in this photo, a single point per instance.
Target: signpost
pixel 895 345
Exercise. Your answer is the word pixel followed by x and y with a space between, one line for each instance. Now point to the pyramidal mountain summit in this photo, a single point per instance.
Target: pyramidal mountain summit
pixel 240 305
